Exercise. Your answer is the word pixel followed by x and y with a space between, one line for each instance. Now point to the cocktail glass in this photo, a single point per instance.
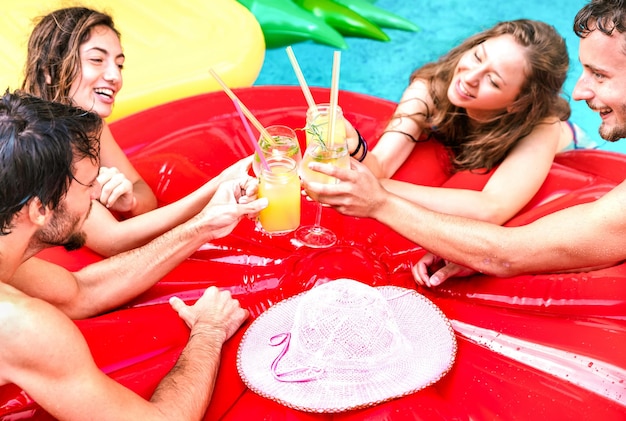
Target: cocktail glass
pixel 284 142
pixel 320 149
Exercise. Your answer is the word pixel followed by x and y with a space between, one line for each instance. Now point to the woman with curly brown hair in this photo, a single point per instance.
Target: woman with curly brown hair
pixel 495 104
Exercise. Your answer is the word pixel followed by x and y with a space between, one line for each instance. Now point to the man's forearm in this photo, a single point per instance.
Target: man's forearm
pixel 468 242
pixel 185 393
pixel 555 242
pixel 116 280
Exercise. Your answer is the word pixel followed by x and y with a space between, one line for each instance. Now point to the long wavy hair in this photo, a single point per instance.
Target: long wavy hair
pixel 53 51
pixel 483 146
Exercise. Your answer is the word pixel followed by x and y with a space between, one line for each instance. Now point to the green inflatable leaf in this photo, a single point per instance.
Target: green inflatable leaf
pixel 379 16
pixel 344 20
pixel 284 23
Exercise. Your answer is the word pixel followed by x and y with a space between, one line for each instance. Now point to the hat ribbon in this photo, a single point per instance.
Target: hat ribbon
pixel 312 372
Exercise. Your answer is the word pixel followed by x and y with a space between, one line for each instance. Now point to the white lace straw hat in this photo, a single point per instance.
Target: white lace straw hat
pixel 345 345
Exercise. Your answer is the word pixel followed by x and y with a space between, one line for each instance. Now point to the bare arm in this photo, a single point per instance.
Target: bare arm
pixel 572 238
pixel 394 146
pixel 505 193
pixel 212 320
pixel 569 239
pixel 44 353
pixel 108 236
pixel 111 282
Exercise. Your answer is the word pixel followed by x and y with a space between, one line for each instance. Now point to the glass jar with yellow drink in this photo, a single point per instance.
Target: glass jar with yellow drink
pixel 280 184
pixel 283 142
pixel 319 147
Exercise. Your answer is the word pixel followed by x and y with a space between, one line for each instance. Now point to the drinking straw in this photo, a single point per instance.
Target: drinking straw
pixel 259 152
pixel 334 95
pixel 305 88
pixel 244 109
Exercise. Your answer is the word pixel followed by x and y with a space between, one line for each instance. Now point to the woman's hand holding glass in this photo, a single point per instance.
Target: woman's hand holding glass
pixel 320 148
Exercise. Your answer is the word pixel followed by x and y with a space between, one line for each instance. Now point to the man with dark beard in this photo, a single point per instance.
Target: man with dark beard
pixel 49 155
pixel 577 238
pixel 64 230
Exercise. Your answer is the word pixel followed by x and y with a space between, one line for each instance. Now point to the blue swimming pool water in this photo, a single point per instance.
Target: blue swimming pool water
pixel 382 68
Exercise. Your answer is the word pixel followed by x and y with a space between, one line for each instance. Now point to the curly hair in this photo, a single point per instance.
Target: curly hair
pixel 53 59
pixel 39 143
pixel 484 146
pixel 604 15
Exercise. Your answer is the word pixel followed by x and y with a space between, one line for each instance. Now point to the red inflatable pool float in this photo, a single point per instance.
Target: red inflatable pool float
pixel 547 346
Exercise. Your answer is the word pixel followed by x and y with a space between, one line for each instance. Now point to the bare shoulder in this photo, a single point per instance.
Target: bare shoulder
pixel 45 280
pixel 549 126
pixel 107 135
pixel 545 139
pixel 419 85
pixel 44 353
pixel 18 313
pixel 29 329
pixel 418 88
pixel 416 101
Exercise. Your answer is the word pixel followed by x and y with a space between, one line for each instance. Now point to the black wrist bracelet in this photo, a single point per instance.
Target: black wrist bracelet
pixel 362 144
pixel 358 147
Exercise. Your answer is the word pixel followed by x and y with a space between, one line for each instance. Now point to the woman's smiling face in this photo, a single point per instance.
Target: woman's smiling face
pixel 489 77
pixel 100 79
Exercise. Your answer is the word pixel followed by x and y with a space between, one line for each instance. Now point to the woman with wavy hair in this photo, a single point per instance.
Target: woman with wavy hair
pixel 493 104
pixel 75 57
